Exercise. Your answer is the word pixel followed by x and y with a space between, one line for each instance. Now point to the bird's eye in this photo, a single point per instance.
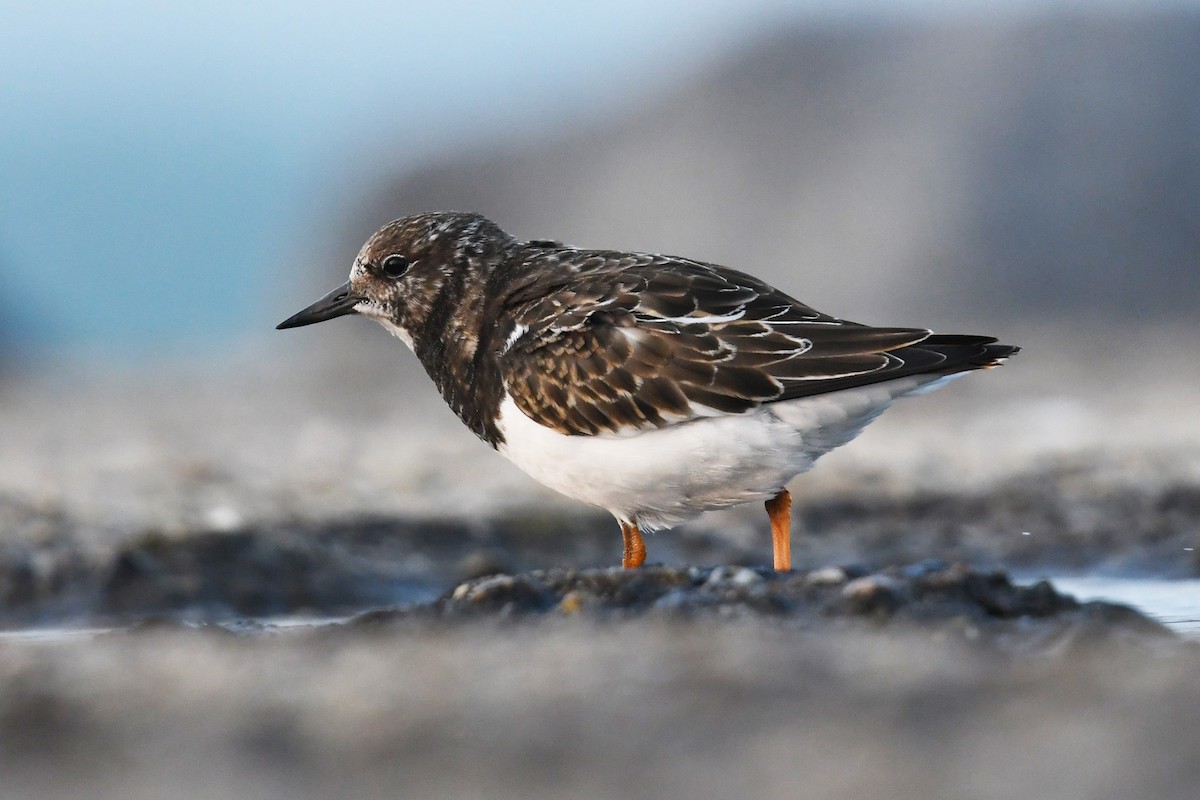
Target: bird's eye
pixel 394 265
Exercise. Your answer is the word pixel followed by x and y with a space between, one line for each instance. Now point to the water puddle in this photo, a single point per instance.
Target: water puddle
pixel 52 635
pixel 63 634
pixel 1176 604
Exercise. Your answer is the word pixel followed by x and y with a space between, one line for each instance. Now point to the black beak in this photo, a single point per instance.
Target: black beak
pixel 335 304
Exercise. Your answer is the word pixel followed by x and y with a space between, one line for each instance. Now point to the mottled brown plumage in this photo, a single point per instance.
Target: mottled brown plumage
pixel 653 386
pixel 614 342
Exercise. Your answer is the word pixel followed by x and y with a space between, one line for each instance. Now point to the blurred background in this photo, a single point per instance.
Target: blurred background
pixel 177 178
pixel 173 178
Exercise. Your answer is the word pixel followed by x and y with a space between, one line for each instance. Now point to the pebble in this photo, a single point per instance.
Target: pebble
pixel 826 576
pixel 737 576
pixel 870 586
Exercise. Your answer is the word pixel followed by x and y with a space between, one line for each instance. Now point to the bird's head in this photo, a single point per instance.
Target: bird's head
pixel 408 264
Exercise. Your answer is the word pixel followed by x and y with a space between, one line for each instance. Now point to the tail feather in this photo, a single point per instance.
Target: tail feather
pixel 937 355
pixel 966 351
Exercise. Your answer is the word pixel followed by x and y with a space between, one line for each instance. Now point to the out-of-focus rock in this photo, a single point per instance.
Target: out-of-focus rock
pixel 948 599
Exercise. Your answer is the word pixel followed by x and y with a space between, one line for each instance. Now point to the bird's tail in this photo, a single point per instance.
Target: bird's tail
pixel 970 352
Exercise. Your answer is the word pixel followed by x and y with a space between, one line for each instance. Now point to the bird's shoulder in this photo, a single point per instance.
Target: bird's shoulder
pixel 549 280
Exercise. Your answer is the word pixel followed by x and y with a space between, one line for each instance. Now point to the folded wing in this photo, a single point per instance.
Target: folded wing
pixel 609 343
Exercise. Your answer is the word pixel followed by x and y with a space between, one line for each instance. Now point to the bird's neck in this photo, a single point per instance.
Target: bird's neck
pixel 454 342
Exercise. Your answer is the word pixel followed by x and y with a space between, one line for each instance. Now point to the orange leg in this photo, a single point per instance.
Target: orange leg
pixel 779 509
pixel 635 548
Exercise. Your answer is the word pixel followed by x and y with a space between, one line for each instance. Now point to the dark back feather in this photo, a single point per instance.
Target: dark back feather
pixel 609 342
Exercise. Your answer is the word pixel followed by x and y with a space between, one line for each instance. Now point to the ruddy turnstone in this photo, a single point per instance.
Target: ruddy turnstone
pixel 652 386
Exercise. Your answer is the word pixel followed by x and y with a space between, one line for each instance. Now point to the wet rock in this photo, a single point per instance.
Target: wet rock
pixel 504 594
pixel 343 566
pixel 873 594
pixel 733 575
pixel 947 598
pixel 826 576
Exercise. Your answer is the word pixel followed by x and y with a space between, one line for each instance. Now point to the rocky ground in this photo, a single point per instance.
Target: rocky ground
pixel 488 649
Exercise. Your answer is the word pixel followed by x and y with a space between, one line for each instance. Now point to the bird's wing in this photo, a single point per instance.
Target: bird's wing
pixel 600 342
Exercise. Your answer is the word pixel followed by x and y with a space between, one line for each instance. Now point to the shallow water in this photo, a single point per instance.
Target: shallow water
pixel 52 634
pixel 1176 604
pixel 68 633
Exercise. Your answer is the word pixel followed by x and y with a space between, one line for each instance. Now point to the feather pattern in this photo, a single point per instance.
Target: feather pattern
pixel 653 386
pixel 615 343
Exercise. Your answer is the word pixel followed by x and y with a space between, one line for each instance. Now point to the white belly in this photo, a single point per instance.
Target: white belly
pixel 661 477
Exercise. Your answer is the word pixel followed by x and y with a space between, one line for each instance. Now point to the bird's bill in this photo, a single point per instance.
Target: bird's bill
pixel 337 303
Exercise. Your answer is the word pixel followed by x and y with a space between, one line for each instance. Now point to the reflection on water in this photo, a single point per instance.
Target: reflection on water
pixel 66 633
pixel 42 635
pixel 1176 604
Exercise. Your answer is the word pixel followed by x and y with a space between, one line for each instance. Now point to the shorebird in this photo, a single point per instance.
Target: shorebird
pixel 655 387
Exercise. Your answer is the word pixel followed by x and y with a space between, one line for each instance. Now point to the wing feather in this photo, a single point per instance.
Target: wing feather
pixel 614 343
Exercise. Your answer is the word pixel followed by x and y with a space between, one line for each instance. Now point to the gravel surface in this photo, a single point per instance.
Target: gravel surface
pixel 574 708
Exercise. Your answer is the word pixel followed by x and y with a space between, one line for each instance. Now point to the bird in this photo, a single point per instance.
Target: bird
pixel 655 387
